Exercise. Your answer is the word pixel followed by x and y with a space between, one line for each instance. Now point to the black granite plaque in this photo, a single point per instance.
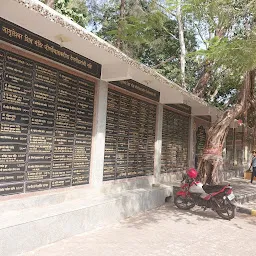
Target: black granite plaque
pixel 15 108
pixel 16 80
pixel 17 148
pixel 38 167
pixel 13 138
pixel 11 177
pixel 37 121
pixel 40 148
pixel 42 113
pixel 200 140
pixel 81 164
pixel 80 180
pixel 41 131
pixel 18 60
pixel 41 104
pixel 14 118
pixel 62 165
pixel 63 141
pixel 78 172
pixel 43 87
pixel 61 173
pixel 18 70
pixel 175 136
pixel 63 157
pixel 39 157
pixel 18 89
pixel 181 107
pixel 46 126
pixel 25 39
pixel 63 149
pixel 46 71
pixel 39 175
pixel 15 98
pixel 10 189
pixel 127 121
pixel 17 167
pixel 138 88
pixel 61 183
pixel 44 96
pixel 36 186
pixel 13 128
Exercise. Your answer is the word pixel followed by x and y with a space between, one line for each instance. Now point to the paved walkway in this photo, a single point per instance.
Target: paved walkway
pixel 166 231
pixel 242 186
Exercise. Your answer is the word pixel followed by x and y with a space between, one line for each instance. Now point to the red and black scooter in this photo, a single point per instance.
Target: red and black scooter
pixel 219 198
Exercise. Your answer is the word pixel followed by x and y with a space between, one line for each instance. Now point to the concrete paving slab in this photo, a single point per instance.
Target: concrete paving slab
pixel 164 231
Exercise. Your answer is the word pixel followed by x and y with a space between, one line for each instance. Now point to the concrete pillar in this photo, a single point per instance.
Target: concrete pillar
pixel 246 160
pixel 158 143
pixel 224 151
pixel 191 153
pixel 234 147
pixel 99 132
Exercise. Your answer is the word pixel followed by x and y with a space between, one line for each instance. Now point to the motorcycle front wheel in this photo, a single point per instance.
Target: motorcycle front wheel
pixel 227 211
pixel 184 203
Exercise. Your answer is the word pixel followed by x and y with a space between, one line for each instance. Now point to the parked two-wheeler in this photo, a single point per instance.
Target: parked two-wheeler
pixel 219 198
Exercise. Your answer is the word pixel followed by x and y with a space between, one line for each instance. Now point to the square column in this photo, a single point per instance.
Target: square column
pixel 191 148
pixel 158 143
pixel 99 132
pixel 234 149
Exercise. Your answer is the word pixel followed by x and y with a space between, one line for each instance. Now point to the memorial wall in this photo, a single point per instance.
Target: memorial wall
pixel 130 133
pixel 46 126
pixel 175 137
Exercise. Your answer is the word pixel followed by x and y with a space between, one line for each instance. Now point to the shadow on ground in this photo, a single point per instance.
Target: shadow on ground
pixel 170 211
pixel 193 217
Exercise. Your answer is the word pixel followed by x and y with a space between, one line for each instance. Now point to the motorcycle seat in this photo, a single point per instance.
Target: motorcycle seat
pixel 211 189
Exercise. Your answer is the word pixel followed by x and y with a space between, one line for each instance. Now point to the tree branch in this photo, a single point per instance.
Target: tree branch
pixel 163 62
pixel 200 34
pixel 50 3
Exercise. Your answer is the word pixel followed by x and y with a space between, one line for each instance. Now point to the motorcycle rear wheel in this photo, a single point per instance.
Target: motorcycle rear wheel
pixel 227 211
pixel 184 203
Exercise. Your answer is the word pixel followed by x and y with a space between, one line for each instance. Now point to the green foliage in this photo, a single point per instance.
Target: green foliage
pixel 237 54
pixel 227 28
pixel 148 35
pixel 220 32
pixel 76 10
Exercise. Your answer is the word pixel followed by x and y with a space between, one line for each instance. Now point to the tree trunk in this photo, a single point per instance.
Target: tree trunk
pixel 120 25
pixel 211 165
pixel 254 138
pixel 50 3
pixel 245 138
pixel 182 45
pixel 203 80
pixel 201 85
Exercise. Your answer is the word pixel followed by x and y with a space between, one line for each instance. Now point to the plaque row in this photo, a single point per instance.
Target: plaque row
pixel 46 126
pixel 130 137
pixel 175 136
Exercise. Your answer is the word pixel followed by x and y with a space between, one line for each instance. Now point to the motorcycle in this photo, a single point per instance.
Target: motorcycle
pixel 219 198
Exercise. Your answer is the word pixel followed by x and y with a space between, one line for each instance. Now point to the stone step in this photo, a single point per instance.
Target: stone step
pixel 45 198
pixel 23 230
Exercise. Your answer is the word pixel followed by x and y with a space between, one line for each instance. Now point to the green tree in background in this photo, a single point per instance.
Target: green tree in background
pixel 148 35
pixel 76 10
pixel 230 63
pixel 205 46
